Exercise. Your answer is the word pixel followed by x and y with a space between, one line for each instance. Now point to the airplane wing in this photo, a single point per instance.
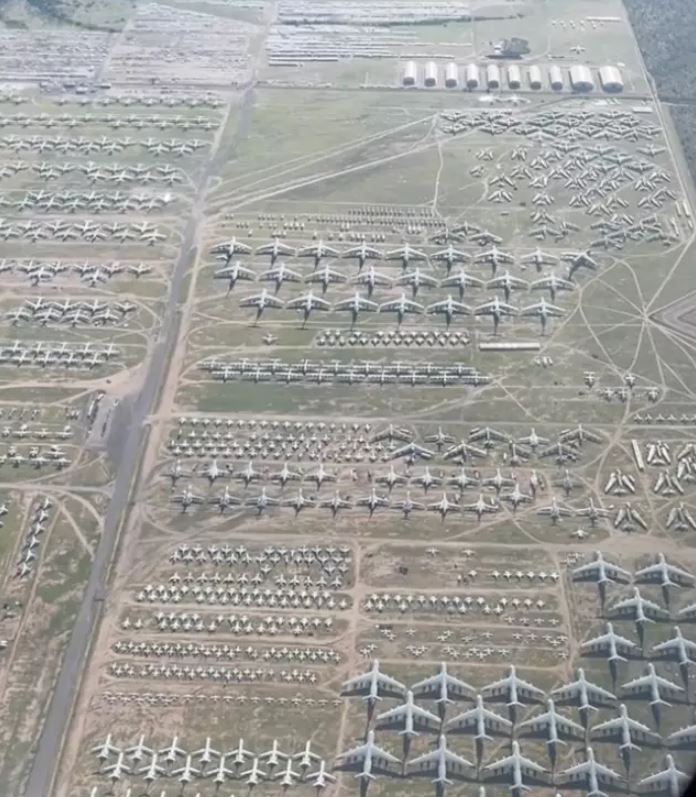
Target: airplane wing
pixel 456 760
pixel 661 780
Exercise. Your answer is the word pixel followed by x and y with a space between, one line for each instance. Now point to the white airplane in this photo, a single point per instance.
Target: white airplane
pixel 118 769
pixel 105 749
pixel 317 251
pixel 684 737
pixel 481 506
pixel 187 772
pixel 172 751
pixel 615 647
pixel 187 498
pixel 401 307
pixel 336 503
pixel 261 502
pixel 579 260
pixel 442 763
pixel 553 726
pixel 212 471
pixel 355 305
pixel 363 252
pixel 326 276
pixel 426 479
pixel 405 254
pixel 664 574
pixel 407 505
pixel 254 775
pixel 480 721
pixel 284 475
pixel 391 433
pixel 463 480
pixel 593 775
pixel 442 687
pixel 507 283
pixel 488 435
pixel 287 776
pixel 307 303
pixel 373 759
pixel 371 277
pixel 372 501
pixel 306 758
pixel 408 718
pixel 450 256
pixel 583 693
pixel 539 258
pixel 518 767
pixel 513 689
pixel 274 756
pixel 320 778
pixel 544 311
pixel 275 249
pixel 601 571
pixel 373 685
pixel 234 273
pixel 553 285
pixel 670 781
pixel 443 506
pixel 321 475
pixel 497 310
pixel 248 474
pixel 623 729
pixel 412 451
pixel 230 248
pixel 448 307
pixel 220 773
pixel 678 648
pixel 260 301
pixel 280 274
pixel 206 753
pixel 153 769
pixel 592 512
pixel 298 501
pixel 139 750
pixel 495 257
pixel 391 478
pixel 639 609
pixel 461 280
pixel 652 685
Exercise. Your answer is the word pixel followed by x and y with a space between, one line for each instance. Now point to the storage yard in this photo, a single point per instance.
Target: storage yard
pixel 347 405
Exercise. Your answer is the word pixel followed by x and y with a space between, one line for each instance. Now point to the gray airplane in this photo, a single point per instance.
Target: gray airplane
pixel 517 767
pixel 373 685
pixel 670 781
pixel 370 759
pixel 408 718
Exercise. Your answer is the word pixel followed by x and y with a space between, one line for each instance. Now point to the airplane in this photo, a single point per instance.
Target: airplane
pixel 464 450
pixel 362 253
pixel 407 505
pixel 320 778
pixel 462 480
pixel 391 478
pixel 498 481
pixel 325 276
pixel 240 753
pixel 554 726
pixel 611 643
pixel 408 718
pixel 275 249
pixel 416 279
pixel 233 273
pixel 442 687
pixel 670 781
pixel 279 274
pixel 592 512
pixel 518 767
pixel 226 500
pixel 480 721
pixel 254 774
pixel 533 440
pixel 592 774
pixel 678 648
pixel 405 254
pixel 623 729
pixel 579 260
pixel 139 750
pixel 262 501
pixel 306 758
pixel 497 310
pixel 298 502
pixel 401 307
pixel 139 270
pixel 539 258
pixel 336 503
pixel 260 301
pixel 285 474
pixel 371 758
pixel 664 574
pixel 544 310
pixel 274 756
pixel 317 251
pixel 117 769
pixel 639 609
pixel 441 763
pixel 230 248
pixel 601 571
pixel 450 256
pixel 373 501
pixel 321 475
pixel 355 305
pixel 212 471
pixel 187 498
pixel 426 479
pixel 153 770
pixel 220 773
pixel 508 283
pixel 481 507
pixel 443 506
pixel 461 280
pixel 371 277
pixel 583 693
pixel 248 474
pixel 513 689
pixel 187 772
pixel 412 451
pixel 652 684
pixel 448 307
pixel 552 284
pixel 105 749
pixel 373 685
pixel 516 497
pixel 579 435
pixel 306 303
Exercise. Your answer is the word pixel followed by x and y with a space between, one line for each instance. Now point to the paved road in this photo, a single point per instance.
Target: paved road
pixel 46 759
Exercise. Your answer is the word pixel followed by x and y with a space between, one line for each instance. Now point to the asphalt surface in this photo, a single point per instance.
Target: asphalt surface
pixel 46 759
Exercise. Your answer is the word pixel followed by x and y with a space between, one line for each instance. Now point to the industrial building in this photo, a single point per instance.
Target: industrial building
pixel 472 76
pixel 493 76
pixel 430 78
pixel 556 77
pixel 581 78
pixel 610 78
pixel 410 74
pixel 534 77
pixel 514 76
pixel 451 75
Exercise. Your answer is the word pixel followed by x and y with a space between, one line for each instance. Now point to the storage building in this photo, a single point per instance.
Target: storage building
pixel 581 78
pixel 534 77
pixel 472 76
pixel 611 79
pixel 451 75
pixel 410 74
pixel 514 76
pixel 493 76
pixel 556 77
pixel 430 74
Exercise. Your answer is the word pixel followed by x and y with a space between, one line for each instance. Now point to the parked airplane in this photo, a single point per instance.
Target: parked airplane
pixel 653 686
pixel 373 685
pixel 670 781
pixel 593 775
pixel 442 687
pixel 371 759
pixel 408 718
pixel 513 689
pixel 583 693
pixel 518 768
pixel 614 647
pixel 623 730
pixel 480 721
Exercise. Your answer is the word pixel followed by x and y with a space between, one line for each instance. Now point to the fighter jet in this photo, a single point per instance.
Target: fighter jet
pixel 497 310
pixel 442 687
pixel 317 251
pixel 623 729
pixel 401 307
pixel 670 781
pixel 448 307
pixel 356 304
pixel 518 767
pixel 583 694
pixel 553 285
pixel 260 301
pixel 373 685
pixel 652 685
pixel 405 254
pixel 664 574
pixel 234 273
pixel 307 303
pixel 480 722
pixel 371 758
pixel 363 252
pixel 544 311
pixel 513 690
pixel 593 775
pixel 614 647
pixel 408 718
pixel 275 249
pixel 442 764
pixel 461 280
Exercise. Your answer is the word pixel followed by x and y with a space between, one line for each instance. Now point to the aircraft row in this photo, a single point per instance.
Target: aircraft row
pixel 110 120
pixel 87 230
pixel 108 146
